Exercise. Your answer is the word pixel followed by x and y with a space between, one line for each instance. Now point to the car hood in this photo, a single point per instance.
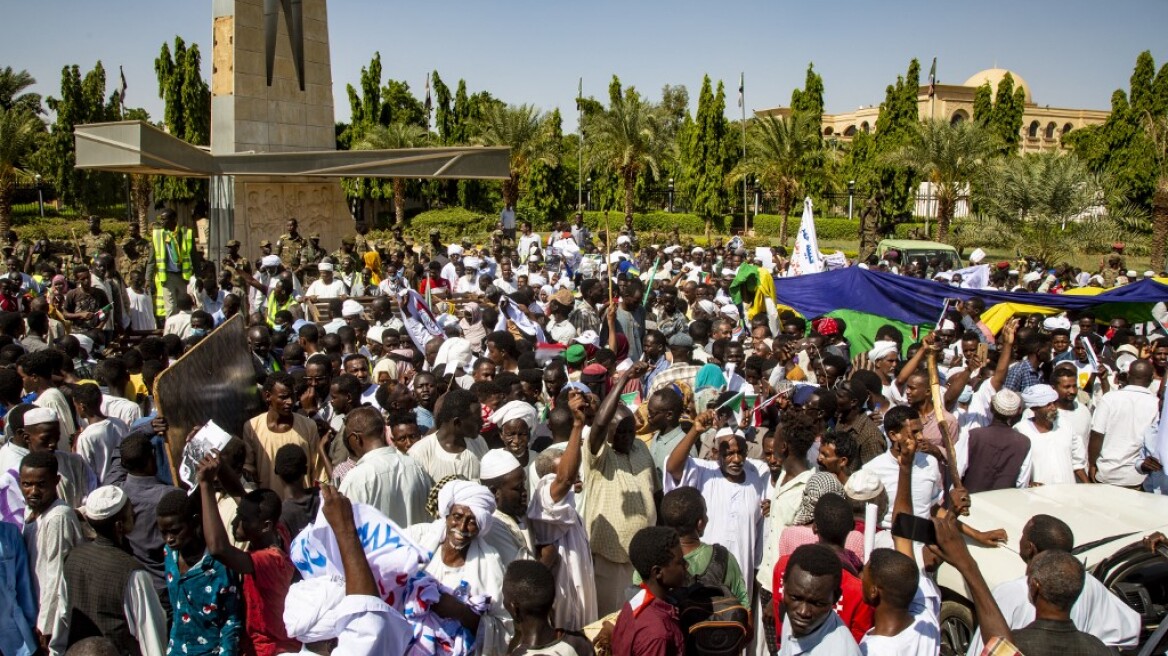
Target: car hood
pixel 1094 513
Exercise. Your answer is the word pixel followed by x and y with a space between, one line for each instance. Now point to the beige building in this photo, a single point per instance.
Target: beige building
pixel 1042 126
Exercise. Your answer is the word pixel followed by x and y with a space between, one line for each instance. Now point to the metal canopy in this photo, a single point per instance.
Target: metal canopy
pixel 141 148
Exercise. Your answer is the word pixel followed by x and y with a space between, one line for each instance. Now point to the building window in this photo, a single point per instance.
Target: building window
pixel 865 127
pixel 850 131
pixel 959 116
pixel 1067 128
pixel 1050 130
pixel 1033 131
pixel 828 131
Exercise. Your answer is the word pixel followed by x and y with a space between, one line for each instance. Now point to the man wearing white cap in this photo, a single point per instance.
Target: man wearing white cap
pixel 450 269
pixel 327 286
pixel 502 474
pixel 1058 455
pixel 38 429
pixel 383 477
pixel 462 560
pixel 101 576
pixel 999 456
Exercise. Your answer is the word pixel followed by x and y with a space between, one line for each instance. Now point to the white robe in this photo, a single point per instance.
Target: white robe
pixel 1054 455
pixel 557 523
pixel 49 539
pixel 392 482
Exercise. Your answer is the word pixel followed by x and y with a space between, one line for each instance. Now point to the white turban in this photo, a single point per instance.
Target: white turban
pixel 947 324
pixel 1056 323
pixel 478 498
pixel 881 349
pixel 730 311
pixel 454 249
pixel 324 266
pixel 351 308
pixel 496 463
pixel 1037 396
pixel 1033 276
pixel 707 306
pixel 515 410
pixel 623 239
pixel 308 609
pixel 375 334
pixel 40 416
pixel 588 337
pixel 270 261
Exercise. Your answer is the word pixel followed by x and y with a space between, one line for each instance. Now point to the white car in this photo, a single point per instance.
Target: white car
pixel 1108 522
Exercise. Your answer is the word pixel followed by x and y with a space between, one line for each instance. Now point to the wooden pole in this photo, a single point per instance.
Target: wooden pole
pixel 608 254
pixel 939 413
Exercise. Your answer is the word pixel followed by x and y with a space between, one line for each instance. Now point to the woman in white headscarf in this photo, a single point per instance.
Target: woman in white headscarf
pixel 466 564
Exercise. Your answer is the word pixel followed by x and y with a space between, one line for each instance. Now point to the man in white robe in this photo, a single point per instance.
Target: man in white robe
pixel 383 477
pixel 1057 455
pixel 502 474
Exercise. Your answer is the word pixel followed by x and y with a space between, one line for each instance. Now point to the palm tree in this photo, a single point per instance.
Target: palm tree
pixel 1048 205
pixel 781 151
pixel 628 137
pixel 950 157
pixel 18 138
pixel 12 86
pixel 394 135
pixel 524 130
pixel 1157 129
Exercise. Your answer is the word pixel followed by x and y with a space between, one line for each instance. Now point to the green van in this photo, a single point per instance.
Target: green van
pixel 916 249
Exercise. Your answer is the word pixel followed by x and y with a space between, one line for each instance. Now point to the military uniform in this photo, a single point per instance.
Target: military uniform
pixel 307 259
pixel 93 244
pixel 139 262
pixel 346 252
pixel 362 245
pixel 238 264
pixel 288 248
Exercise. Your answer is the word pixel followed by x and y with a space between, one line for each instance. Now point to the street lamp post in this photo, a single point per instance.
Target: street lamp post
pixel 851 194
pixel 671 195
pixel 40 195
pixel 588 188
pixel 757 198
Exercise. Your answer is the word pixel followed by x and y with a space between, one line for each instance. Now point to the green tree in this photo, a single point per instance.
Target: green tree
pixel 983 105
pixel 186 113
pixel 781 152
pixel 401 105
pixel 527 133
pixel 19 129
pixel 1156 127
pixel 394 135
pixel 367 110
pixel 82 101
pixel 950 157
pixel 896 127
pixel 13 91
pixel 1047 205
pixel 546 186
pixel 809 99
pixel 1006 121
pixel 703 161
pixel 627 138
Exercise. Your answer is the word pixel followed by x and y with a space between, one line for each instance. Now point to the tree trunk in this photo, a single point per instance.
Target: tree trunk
pixel 140 196
pixel 945 206
pixel 5 207
pixel 785 211
pixel 630 184
pixel 511 191
pixel 1159 224
pixel 399 201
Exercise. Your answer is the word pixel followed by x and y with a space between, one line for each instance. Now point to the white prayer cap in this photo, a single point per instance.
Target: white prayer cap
pixel 453 249
pixel 324 266
pixel 40 416
pixel 496 463
pixel 588 337
pixel 977 256
pixel 948 324
pixel 351 308
pixel 670 250
pixel 882 349
pixel 1007 402
pixel 1124 362
pixel 270 261
pixel 513 410
pixel 865 267
pixel 1131 273
pixel 730 311
pixel 1037 396
pixel 478 498
pixel 1033 276
pixel 1013 272
pixel 727 431
pixel 697 250
pixel 727 271
pixel 1056 323
pixel 374 334
pixel 623 239
pixel 863 486
pixel 1149 274
pixel 707 306
pixel 104 502
pixel 85 341
pixel 309 606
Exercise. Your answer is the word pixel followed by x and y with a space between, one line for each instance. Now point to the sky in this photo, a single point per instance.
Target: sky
pixel 1073 53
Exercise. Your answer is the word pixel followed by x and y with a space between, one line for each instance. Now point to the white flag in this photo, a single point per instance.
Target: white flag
pixel 806 258
pixel 974 277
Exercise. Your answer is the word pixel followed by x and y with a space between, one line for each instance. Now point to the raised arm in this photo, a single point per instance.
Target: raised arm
pixel 902 504
pixel 338 510
pixel 914 363
pixel 213 530
pixel 675 464
pixel 568 469
pixel 998 380
pixel 608 408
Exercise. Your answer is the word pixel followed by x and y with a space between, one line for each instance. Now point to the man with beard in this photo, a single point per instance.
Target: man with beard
pixel 731 484
pixel 383 478
pixel 515 420
pixel 1056 454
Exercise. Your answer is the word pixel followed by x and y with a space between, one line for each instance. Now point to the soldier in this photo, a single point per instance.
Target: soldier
pixel 135 235
pixel 135 257
pixel 265 250
pixel 397 240
pixel 96 241
pixel 310 255
pixel 18 248
pixel 234 264
pixel 289 244
pixel 346 252
pixel 360 242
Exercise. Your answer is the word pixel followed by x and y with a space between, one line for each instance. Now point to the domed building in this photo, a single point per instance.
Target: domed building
pixel 1043 126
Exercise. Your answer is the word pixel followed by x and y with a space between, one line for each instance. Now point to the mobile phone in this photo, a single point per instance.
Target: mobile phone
pixel 914 528
pixel 983 351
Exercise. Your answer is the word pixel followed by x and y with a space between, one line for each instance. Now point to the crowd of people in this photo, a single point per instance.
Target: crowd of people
pixel 596 443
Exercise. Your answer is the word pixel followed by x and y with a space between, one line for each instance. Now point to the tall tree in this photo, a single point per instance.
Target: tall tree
pixel 895 128
pixel 394 135
pixel 367 110
pixel 809 99
pixel 186 113
pixel 983 105
pixel 1156 127
pixel 1006 121
pixel 949 156
pixel 781 151
pixel 82 100
pixel 19 129
pixel 527 133
pixel 444 113
pixel 13 85
pixel 627 138
pixel 546 186
pixel 703 161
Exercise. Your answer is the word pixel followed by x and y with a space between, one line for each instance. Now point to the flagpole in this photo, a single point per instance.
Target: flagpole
pixel 742 104
pixel 580 147
pixel 428 103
